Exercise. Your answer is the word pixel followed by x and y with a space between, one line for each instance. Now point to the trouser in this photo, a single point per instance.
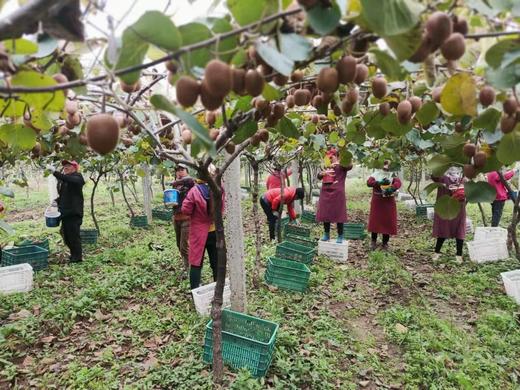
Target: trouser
pixel 386 238
pixel 326 228
pixel 196 271
pixel 440 241
pixel 271 218
pixel 182 231
pixel 497 207
pixel 70 227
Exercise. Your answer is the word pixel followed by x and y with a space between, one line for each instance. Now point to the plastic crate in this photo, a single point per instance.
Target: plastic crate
pixel 88 236
pixel 333 250
pixel 430 213
pixel 297 230
pixel 511 281
pixel 402 196
pixel 140 221
pixel 486 233
pixel 203 297
pixel 287 274
pixel 305 241
pixel 493 249
pixel 291 251
pixel 41 243
pixel 354 231
pixel 308 217
pixel 16 278
pixel 247 342
pixel 421 210
pixel 162 214
pixel 469 226
pixel 410 204
pixel 34 255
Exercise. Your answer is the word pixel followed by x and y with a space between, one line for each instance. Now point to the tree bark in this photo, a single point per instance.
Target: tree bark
pixel 512 228
pixel 95 180
pixel 122 181
pixel 147 196
pixel 256 222
pixel 482 214
pixel 280 209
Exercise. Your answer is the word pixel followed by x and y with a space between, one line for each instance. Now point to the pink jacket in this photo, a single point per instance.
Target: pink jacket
pixel 274 180
pixel 494 180
pixel 195 206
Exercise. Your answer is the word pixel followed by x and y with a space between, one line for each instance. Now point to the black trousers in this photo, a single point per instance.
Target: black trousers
pixel 497 207
pixel 386 238
pixel 70 227
pixel 271 218
pixel 459 245
pixel 326 228
pixel 211 248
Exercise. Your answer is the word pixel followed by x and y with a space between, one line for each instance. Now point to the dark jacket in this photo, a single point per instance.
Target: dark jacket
pixel 70 190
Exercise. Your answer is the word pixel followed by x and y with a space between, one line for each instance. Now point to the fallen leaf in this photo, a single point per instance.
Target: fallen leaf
pixel 400 328
pixel 364 383
pixel 36 310
pixel 20 315
pixel 28 361
pixel 150 362
pixel 48 339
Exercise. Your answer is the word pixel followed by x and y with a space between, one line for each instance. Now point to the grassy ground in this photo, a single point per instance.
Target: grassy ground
pixel 124 318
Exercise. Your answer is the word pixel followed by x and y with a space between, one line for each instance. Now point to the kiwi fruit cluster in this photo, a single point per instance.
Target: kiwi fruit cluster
pixel 477 160
pixel 511 115
pixel 445 33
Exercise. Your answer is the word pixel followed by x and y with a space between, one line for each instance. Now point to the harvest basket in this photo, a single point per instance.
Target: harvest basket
pixel 291 251
pixel 421 210
pixel 162 213
pixel 297 230
pixel 308 217
pixel 287 274
pixel 35 256
pixel 333 250
pixel 203 297
pixel 41 243
pixel 354 231
pixel 305 241
pixel 16 278
pixel 88 236
pixel 139 221
pixel 493 249
pixel 511 281
pixel 486 233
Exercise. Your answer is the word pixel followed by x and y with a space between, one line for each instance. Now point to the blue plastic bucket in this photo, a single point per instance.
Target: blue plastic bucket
pixel 171 197
pixel 52 218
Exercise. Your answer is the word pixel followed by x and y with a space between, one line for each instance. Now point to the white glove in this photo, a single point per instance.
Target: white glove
pixel 276 214
pixel 50 168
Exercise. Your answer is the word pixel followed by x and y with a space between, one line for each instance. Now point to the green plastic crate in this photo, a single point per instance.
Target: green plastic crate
pixel 354 231
pixel 308 217
pixel 36 256
pixel 88 236
pixel 310 242
pixel 247 342
pixel 297 230
pixel 162 214
pixel 421 210
pixel 287 274
pixel 296 252
pixel 140 221
pixel 41 243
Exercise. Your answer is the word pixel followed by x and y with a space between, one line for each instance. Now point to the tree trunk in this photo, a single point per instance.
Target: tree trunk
pixel 162 182
pixel 235 236
pixel 147 196
pixel 511 229
pixel 482 214
pixel 133 191
pixel 295 179
pixel 256 222
pixel 280 209
pixel 122 181
pixel 409 188
pixel 92 195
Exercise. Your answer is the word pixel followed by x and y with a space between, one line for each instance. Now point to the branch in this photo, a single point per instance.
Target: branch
pixel 492 34
pixel 239 149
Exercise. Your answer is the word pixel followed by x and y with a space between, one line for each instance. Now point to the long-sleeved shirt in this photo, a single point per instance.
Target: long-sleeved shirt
pixel 274 198
pixel 494 179
pixel 274 180
pixel 70 190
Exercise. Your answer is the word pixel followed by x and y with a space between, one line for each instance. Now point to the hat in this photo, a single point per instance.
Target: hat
pixel 180 166
pixel 71 162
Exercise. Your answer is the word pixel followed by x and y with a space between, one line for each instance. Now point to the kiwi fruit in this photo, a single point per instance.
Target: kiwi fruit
pixel 404 111
pixel 71 106
pixel 271 121
pixel 361 73
pixel 120 118
pixel 327 80
pixel 208 100
pixel 255 139
pixel 213 134
pixel 379 87
pixel 129 88
pixel 187 90
pixel 469 149
pixel 280 80
pixel 102 133
pixel 172 66
pixel 384 109
pixel 261 104
pixel 469 171
pixel 297 76
pixel 218 78
pixel 317 101
pixel 315 118
pixel 263 135
pixel 289 100
pixel 436 94
pixel 459 128
pixel 73 120
pixel 346 106
pixel 460 25
pixel 238 77
pixel 37 148
pixel 352 95
pixel 127 141
pixel 454 47
pixel 83 139
pixel 230 147
pixel 479 160
pixel 486 96
pixel 326 97
pixel 416 103
pixel 186 136
pixel 346 68
pixel 439 27
pixel 301 97
pixel 278 111
pixel 211 118
pixel 254 82
pixel 510 106
pixel 507 123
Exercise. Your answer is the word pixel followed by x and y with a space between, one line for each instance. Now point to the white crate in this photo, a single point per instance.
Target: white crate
pixel 485 233
pixel 333 250
pixel 469 226
pixel 203 296
pixel 482 251
pixel 511 281
pixel 16 278
pixel 430 213
pixel 410 203
pixel 402 196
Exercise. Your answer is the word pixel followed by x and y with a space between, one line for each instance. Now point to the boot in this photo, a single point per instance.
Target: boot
pixel 436 256
pixel 458 259
pixel 326 237
pixel 373 245
pixel 339 240
pixel 384 247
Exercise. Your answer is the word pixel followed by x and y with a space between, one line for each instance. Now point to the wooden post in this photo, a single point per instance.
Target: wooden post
pixel 147 195
pixel 235 236
pixel 295 179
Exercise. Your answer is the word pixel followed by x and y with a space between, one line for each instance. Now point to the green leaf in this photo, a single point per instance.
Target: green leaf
pixel 492 163
pixel 504 78
pixel 391 17
pixel 20 46
pixel 50 101
pixel 7 192
pixel 287 128
pixel 495 54
pixel 405 45
pixel 345 157
pixel 192 33
pixel 479 192
pixel 324 20
pixel 247 11
pixel 391 125
pixel 447 207
pixel 295 47
pixel 245 131
pixel 270 93
pixel 6 227
pixel 452 141
pixel 18 136
pixel 132 52
pixel 239 58
pixel 162 103
pixel 431 187
pixel 388 65
pixel 414 136
pixel 12 107
pixel 225 48
pixel 488 119
pixel 438 164
pixel 275 59
pixel 333 137
pixel 459 95
pixel 509 148
pixel 156 28
pixel 427 113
